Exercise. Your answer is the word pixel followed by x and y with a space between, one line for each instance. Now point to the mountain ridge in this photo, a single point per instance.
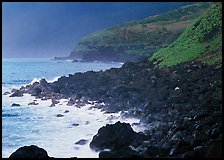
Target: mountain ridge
pixel 132 40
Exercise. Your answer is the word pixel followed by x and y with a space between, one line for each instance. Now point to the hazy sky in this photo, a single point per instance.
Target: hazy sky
pixel 48 29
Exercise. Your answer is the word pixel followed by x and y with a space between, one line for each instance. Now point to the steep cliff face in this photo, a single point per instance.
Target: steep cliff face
pixel 138 39
pixel 202 41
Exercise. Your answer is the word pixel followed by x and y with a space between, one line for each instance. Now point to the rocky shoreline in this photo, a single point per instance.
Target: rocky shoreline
pixel 181 105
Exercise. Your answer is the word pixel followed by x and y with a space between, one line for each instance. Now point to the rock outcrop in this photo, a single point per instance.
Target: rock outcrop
pixel 29 152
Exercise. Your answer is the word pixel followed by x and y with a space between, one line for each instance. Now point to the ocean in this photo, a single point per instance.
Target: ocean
pixel 38 124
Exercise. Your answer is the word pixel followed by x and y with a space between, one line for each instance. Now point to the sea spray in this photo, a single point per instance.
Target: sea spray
pixel 39 125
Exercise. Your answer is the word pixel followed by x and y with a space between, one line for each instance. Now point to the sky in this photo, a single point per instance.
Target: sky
pixel 49 29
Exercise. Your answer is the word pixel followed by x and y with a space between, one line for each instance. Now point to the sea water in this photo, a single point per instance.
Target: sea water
pixel 39 124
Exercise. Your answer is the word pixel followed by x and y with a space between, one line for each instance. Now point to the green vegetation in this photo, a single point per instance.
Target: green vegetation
pixel 201 41
pixel 143 37
pixel 185 13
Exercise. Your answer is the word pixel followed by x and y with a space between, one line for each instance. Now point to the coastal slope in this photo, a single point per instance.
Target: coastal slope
pixel 202 41
pixel 136 40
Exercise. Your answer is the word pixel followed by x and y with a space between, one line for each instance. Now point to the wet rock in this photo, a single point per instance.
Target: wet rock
pixel 113 136
pixel 81 142
pixel 13 90
pixel 180 147
pixel 75 124
pixel 17 93
pixel 44 99
pixel 29 152
pixel 215 133
pixel 75 60
pixel 59 115
pixel 15 105
pixel 125 152
pixel 33 103
pixel 54 101
pixel 6 93
pixel 153 151
pixel 71 102
pixel 188 154
pixel 85 100
pixel 200 149
pixel 36 91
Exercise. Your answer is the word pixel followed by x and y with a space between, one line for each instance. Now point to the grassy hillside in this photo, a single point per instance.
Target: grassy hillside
pixel 142 37
pixel 202 41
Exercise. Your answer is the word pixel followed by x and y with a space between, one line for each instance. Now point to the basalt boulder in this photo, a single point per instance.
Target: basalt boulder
pixel 113 137
pixel 29 152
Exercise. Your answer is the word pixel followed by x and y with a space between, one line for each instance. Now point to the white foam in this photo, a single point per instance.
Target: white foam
pixel 68 60
pixel 9 88
pixel 56 134
pixel 35 80
pixel 53 80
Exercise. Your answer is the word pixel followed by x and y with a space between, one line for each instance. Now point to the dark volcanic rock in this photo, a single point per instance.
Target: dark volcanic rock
pixel 6 93
pixel 125 152
pixel 15 105
pixel 113 136
pixel 81 142
pixel 153 151
pixel 29 152
pixel 54 101
pixel 59 115
pixel 215 150
pixel 17 93
pixel 75 124
pixel 33 103
pixel 71 102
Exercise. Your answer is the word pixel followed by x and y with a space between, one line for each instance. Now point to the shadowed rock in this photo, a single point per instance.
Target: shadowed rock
pixel 33 103
pixel 29 152
pixel 17 93
pixel 75 124
pixel 6 93
pixel 113 136
pixel 124 152
pixel 81 142
pixel 59 115
pixel 15 105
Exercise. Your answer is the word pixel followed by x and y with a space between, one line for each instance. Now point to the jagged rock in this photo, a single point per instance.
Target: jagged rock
pixel 71 102
pixel 15 105
pixel 17 93
pixel 54 101
pixel 29 152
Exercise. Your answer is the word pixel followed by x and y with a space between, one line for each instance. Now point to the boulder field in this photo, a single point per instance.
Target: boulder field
pixel 180 105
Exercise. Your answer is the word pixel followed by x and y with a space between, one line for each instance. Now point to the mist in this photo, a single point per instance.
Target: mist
pixel 49 29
